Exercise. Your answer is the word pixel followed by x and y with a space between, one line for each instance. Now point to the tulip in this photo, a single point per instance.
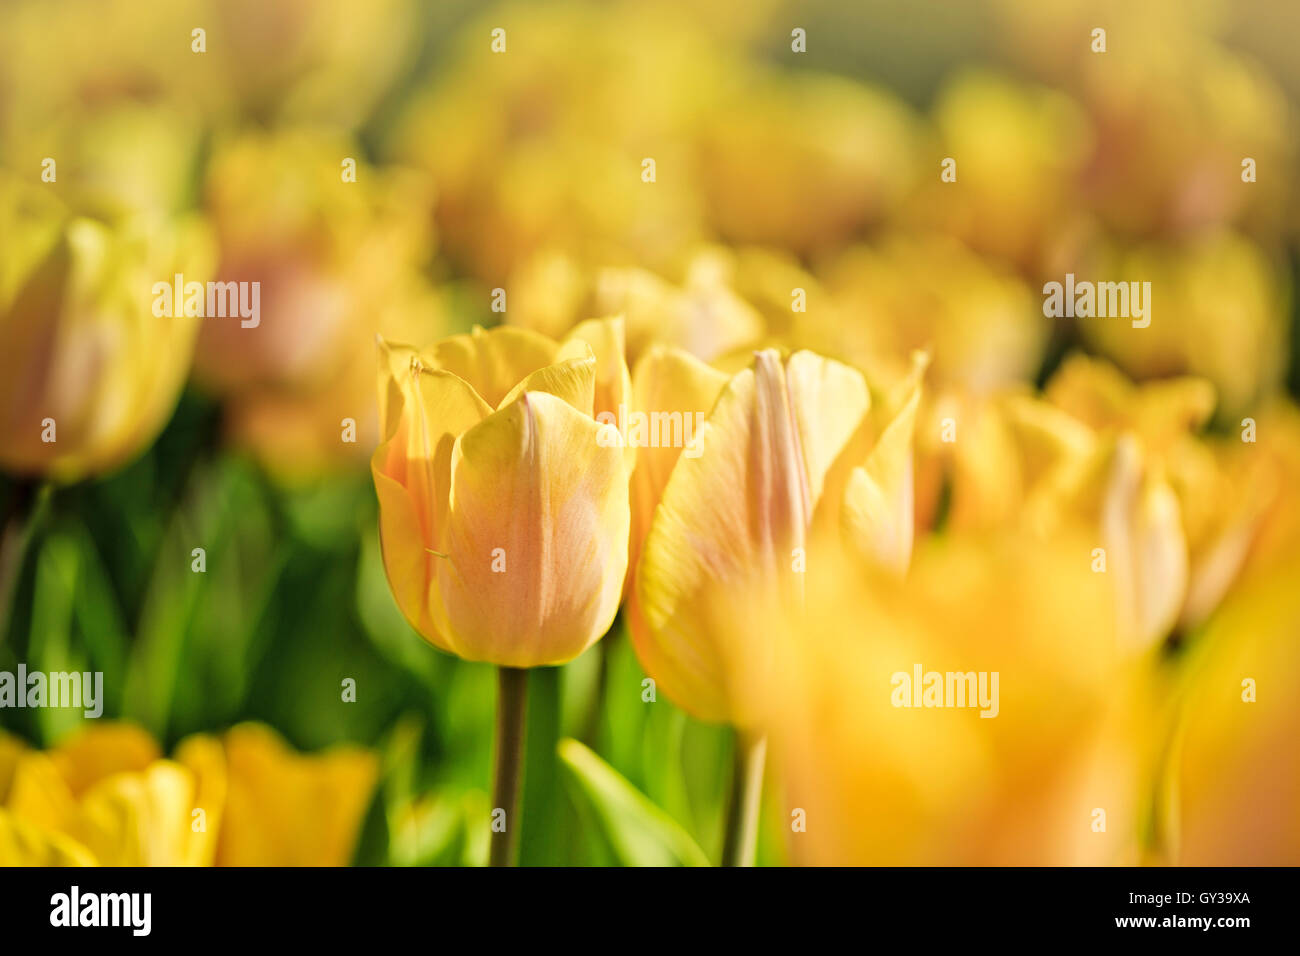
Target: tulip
pixel 503 511
pixel 106 796
pixel 337 264
pixel 88 373
pixel 879 780
pixel 731 537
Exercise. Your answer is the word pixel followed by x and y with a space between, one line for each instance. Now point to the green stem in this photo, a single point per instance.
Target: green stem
pixel 591 729
pixel 15 534
pixel 741 839
pixel 512 708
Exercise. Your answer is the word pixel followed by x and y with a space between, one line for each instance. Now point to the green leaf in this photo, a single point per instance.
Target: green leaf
pixel 637 832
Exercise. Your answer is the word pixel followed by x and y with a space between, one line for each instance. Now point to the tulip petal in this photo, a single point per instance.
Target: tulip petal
pixel 495 360
pixel 22 844
pixel 538 535
pixel 572 379
pixel 730 519
pixel 604 339
pixel 668 382
pixel 877 515
pixel 412 474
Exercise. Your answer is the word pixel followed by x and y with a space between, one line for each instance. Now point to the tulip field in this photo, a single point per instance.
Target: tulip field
pixel 649 434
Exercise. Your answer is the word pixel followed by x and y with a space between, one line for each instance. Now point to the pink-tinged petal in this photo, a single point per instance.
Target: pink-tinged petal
pixel 732 523
pixel 537 548
pixel 1146 552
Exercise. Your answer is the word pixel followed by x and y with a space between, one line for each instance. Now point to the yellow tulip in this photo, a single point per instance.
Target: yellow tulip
pixel 282 808
pixel 882 772
pixel 503 504
pixel 703 314
pixel 732 532
pixel 1233 777
pixel 106 796
pixel 108 792
pixel 88 373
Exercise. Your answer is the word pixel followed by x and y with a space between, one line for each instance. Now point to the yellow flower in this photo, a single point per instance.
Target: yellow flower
pixel 88 372
pixel 1219 308
pixel 702 315
pixel 107 797
pixel 731 536
pixel 581 96
pixel 108 790
pixel 337 264
pixel 756 151
pixel 1233 776
pixel 1018 148
pixel 1034 725
pixel 282 808
pixel 503 502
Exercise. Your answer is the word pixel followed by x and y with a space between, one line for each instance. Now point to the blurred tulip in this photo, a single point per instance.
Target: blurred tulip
pixel 503 507
pixel 731 531
pixel 756 151
pixel 1017 148
pixel 337 264
pixel 1174 111
pixel 106 797
pixel 981 325
pixel 282 808
pixel 1219 307
pixel 876 779
pixel 704 315
pixel 88 373
pixel 108 790
pixel 558 161
pixel 1233 775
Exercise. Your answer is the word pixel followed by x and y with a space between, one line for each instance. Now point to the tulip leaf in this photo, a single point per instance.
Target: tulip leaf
pixel 637 832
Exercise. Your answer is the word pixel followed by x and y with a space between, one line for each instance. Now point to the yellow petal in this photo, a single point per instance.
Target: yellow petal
pixel 495 360
pixel 605 339
pixel 572 379
pixel 877 515
pixel 204 757
pixel 731 520
pixel 412 474
pixel 140 819
pixel 103 750
pixel 22 844
pixel 538 540
pixel 1146 553
pixel 677 387
pixel 288 809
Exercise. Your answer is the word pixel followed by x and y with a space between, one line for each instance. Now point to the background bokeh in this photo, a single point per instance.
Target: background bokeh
pixel 522 171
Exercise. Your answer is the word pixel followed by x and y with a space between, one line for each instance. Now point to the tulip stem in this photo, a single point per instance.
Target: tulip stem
pixel 741 839
pixel 512 708
pixel 22 512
